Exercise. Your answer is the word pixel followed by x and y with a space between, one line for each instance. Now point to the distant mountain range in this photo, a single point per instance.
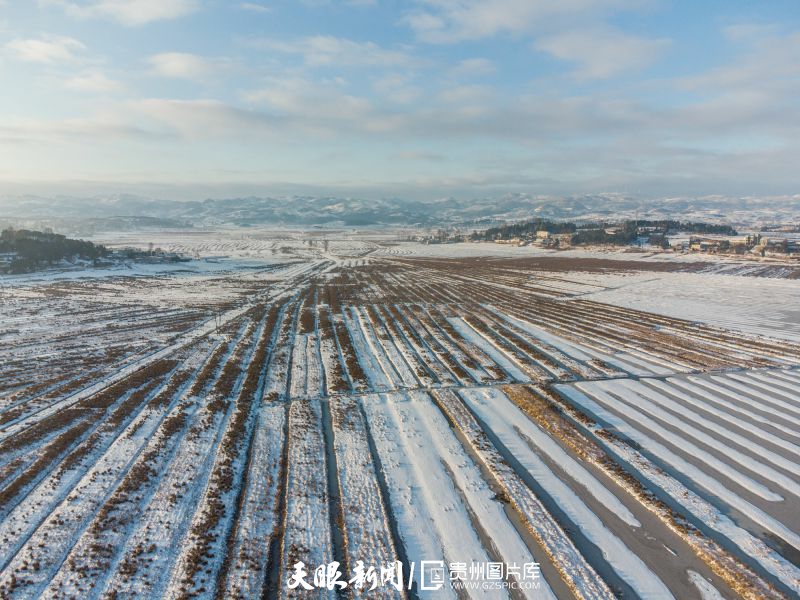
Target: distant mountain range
pixel 126 212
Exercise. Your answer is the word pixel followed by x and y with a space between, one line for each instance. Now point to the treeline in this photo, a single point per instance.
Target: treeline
pixel 619 233
pixel 672 226
pixel 30 250
pixel 520 230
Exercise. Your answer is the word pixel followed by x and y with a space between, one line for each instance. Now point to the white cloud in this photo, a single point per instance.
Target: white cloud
pixel 48 49
pixel 472 67
pixel 749 32
pixel 721 118
pixel 151 119
pixel 182 65
pixel 461 112
pixel 602 52
pixel 199 119
pixel 256 8
pixel 588 140
pixel 448 21
pixel 315 105
pixel 767 59
pixel 397 88
pixel 104 126
pixel 325 50
pixel 94 82
pixel 755 93
pixel 467 96
pixel 127 12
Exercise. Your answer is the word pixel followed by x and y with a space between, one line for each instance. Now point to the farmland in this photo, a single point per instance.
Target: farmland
pixel 196 434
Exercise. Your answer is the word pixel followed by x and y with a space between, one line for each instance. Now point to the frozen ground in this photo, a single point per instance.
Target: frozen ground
pixel 756 305
pixel 628 422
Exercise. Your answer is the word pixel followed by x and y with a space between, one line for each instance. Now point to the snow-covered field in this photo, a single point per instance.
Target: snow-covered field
pixel 756 305
pixel 598 424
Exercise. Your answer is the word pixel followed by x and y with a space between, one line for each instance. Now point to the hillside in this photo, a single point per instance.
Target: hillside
pixel 124 212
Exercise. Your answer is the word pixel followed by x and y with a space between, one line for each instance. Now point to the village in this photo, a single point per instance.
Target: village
pixel 781 241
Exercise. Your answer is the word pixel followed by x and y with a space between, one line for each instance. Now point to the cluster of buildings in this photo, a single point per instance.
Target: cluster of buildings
pixel 6 258
pixel 723 245
pixel 543 239
pixel 440 236
pixel 747 244
pixel 780 246
pixel 551 240
pixel 773 242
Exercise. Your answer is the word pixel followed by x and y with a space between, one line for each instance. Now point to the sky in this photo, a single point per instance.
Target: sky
pixel 417 98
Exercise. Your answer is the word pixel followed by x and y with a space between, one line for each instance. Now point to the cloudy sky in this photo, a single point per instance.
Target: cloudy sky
pixel 414 98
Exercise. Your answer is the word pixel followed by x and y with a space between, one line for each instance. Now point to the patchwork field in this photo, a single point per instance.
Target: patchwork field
pixel 197 434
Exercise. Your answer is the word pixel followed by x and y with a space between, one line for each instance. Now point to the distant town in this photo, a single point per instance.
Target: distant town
pixel 778 241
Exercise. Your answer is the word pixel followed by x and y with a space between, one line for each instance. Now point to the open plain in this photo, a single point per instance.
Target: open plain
pixel 629 422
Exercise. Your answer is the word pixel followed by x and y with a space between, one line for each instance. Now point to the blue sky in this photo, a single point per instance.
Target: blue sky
pixel 422 98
